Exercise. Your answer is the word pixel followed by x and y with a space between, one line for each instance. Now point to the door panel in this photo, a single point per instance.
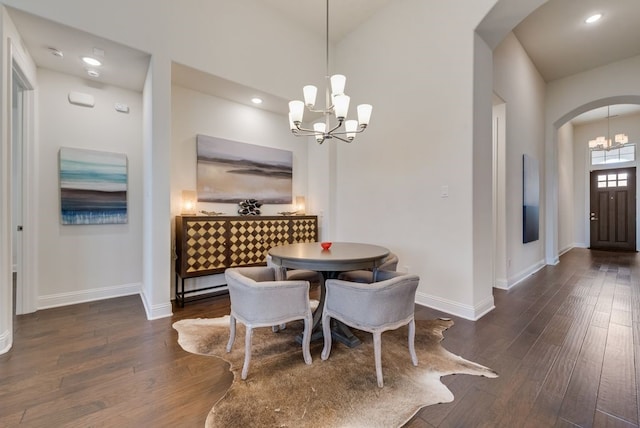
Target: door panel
pixel 613 209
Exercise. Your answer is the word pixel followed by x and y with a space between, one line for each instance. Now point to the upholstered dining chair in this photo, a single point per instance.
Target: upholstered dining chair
pixel 377 307
pixel 297 274
pixel 389 263
pixel 258 300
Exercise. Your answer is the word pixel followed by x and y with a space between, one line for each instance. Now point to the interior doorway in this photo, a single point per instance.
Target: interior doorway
pixel 613 209
pixel 17 185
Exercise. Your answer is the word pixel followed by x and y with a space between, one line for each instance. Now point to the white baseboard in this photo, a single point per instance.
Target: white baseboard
pixel 468 312
pixel 552 261
pixel 564 250
pixel 572 246
pixel 74 297
pixel 501 283
pixel 5 342
pixel 153 312
pixel 522 275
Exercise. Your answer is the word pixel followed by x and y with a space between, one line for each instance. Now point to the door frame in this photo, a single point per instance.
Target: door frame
pixel 631 204
pixel 26 292
pixel 587 192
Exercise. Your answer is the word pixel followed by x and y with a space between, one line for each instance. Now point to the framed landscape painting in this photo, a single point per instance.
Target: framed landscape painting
pixel 229 172
pixel 93 187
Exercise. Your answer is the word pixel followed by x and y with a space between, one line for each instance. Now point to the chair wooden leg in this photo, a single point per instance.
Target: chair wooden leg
pixel 377 353
pixel 232 332
pixel 306 338
pixel 247 352
pixel 326 332
pixel 412 348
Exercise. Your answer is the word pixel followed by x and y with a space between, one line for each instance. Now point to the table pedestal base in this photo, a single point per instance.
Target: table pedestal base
pixel 339 332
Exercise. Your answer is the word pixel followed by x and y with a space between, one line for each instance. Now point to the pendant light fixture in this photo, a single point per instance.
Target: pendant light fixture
pixel 334 123
pixel 602 143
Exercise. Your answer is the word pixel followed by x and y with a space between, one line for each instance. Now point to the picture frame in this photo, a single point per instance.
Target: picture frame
pixel 93 187
pixel 231 172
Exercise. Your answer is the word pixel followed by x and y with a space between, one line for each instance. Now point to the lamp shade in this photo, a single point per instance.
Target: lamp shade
pixel 337 84
pixel 351 126
pixel 341 106
pixel 189 200
pixel 364 114
pixel 310 93
pixel 319 128
pixel 300 205
pixel 296 109
pixel 621 139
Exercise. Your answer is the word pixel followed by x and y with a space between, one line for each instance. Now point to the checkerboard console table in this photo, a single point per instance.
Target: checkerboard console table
pixel 207 245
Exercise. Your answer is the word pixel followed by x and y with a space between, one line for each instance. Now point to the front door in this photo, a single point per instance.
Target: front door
pixel 613 209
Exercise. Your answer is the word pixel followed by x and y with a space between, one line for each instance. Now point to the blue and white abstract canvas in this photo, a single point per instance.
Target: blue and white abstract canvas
pixel 93 187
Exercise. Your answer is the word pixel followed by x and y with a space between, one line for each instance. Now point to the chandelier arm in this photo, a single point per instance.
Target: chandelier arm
pixel 340 138
pixel 339 124
pixel 300 128
pixel 358 131
pixel 303 132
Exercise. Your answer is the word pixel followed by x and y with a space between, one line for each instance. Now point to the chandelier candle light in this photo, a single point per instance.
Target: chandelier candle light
pixel 337 104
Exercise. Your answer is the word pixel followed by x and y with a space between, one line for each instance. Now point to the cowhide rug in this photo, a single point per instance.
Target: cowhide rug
pixel 282 391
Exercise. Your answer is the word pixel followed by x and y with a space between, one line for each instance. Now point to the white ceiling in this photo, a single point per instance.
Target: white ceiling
pixel 344 16
pixel 560 43
pixel 554 36
pixel 122 66
pixel 603 112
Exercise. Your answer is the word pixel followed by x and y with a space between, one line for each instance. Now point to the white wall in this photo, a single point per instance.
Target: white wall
pixel 12 51
pixel 582 133
pixel 198 113
pixel 566 205
pixel 421 69
pixel 226 33
pixel 519 84
pixel 615 83
pixel 390 179
pixel 87 262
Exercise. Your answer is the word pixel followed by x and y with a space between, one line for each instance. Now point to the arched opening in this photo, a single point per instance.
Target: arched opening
pixel 583 216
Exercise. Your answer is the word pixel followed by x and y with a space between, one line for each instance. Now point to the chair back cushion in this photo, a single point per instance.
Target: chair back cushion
pixel 373 305
pixel 389 263
pixel 257 299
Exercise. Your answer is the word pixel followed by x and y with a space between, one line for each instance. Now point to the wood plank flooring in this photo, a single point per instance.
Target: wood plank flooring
pixel 566 343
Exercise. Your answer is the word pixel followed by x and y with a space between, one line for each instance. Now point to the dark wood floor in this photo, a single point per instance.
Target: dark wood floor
pixel 566 343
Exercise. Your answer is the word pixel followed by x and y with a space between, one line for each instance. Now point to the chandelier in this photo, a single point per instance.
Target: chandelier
pixel 602 143
pixel 335 123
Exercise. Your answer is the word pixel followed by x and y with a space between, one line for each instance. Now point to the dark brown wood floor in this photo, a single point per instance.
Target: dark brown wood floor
pixel 566 343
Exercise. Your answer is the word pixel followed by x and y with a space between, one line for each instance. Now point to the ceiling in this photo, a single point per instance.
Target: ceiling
pixel 344 16
pixel 560 43
pixel 554 36
pixel 121 65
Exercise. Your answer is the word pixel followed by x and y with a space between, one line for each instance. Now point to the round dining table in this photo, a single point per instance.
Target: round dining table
pixel 340 257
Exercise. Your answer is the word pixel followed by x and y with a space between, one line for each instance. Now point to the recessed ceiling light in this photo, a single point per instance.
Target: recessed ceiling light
pixel 256 100
pixel 91 61
pixel 93 73
pixel 593 18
